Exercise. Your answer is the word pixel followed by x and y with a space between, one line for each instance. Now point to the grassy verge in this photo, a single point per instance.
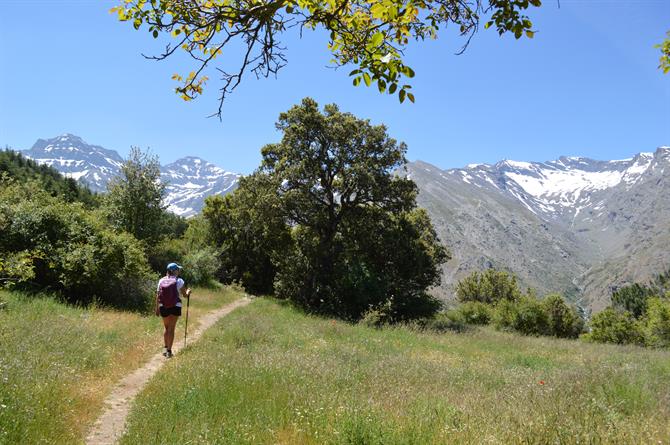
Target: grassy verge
pixel 58 362
pixel 268 374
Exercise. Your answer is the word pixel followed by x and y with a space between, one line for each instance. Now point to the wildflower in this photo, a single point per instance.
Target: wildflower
pixel 541 382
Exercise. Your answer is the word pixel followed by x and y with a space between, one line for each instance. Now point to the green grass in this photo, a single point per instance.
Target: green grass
pixel 269 374
pixel 58 362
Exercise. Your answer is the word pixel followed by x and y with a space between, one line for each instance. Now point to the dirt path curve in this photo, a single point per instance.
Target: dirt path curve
pixel 110 425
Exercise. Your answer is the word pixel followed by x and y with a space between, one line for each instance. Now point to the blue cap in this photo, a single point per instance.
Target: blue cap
pixel 173 266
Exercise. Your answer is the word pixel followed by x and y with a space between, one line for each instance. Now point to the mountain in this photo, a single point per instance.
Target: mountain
pixel 91 165
pixel 189 180
pixel 577 226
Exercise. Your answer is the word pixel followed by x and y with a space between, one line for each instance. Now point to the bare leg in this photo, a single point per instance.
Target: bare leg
pixel 170 323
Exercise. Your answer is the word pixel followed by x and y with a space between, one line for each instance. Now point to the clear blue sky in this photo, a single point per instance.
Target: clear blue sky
pixel 586 85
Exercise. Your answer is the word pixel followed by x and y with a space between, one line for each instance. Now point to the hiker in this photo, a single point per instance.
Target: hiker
pixel 168 303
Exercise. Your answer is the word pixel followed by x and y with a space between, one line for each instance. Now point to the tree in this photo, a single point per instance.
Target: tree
pixel 327 216
pixel 632 298
pixel 249 228
pixel 664 61
pixel 564 321
pixel 134 199
pixel 369 35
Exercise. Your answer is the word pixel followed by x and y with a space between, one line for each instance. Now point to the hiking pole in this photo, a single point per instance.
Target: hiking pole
pixel 188 302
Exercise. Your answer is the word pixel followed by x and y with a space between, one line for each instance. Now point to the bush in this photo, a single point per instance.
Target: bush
pixel 615 326
pixel 526 316
pixel 490 286
pixel 54 245
pixel 378 316
pixel 475 312
pixel 564 321
pixel 201 266
pixel 164 252
pixel 445 321
pixel 656 323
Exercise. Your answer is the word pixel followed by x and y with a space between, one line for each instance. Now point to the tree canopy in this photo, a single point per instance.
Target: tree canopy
pixel 134 199
pixel 328 219
pixel 369 35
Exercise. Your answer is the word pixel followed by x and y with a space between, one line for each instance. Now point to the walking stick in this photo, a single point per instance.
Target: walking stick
pixel 188 302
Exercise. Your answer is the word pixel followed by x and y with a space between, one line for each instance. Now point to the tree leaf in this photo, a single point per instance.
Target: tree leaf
pixel 377 39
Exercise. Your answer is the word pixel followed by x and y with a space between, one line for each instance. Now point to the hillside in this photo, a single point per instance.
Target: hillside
pixel 22 169
pixel 270 374
pixel 575 225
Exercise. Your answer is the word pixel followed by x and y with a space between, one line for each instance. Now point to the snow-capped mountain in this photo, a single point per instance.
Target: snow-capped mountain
pixel 189 180
pixel 562 187
pixel 574 225
pixel 69 154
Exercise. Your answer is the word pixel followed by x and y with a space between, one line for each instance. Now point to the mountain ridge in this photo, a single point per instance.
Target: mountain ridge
pixel 594 224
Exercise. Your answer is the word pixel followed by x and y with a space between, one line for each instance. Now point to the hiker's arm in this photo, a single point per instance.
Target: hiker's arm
pixel 157 310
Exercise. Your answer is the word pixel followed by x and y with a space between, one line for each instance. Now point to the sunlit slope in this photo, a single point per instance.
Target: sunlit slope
pixel 269 374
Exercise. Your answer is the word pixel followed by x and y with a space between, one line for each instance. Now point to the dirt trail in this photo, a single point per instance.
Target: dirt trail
pixel 109 427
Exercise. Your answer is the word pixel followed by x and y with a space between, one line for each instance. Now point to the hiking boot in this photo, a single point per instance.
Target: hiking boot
pixel 165 352
pixel 169 354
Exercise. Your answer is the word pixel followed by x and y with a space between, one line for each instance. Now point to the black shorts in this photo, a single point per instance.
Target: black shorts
pixel 165 311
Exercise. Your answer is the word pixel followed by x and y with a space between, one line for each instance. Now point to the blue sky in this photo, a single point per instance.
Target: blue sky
pixel 586 85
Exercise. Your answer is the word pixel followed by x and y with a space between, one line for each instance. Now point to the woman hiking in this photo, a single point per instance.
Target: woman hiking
pixel 168 303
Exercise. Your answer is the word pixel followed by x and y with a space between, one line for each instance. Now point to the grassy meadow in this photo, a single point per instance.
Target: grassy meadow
pixel 268 374
pixel 59 362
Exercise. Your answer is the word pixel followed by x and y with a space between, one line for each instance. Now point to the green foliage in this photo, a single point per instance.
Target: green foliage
pixel 134 199
pixel 370 35
pixel 490 286
pixel 476 312
pixel 14 165
pixel 525 315
pixel 51 244
pixel 615 326
pixel 656 327
pixel 357 239
pixel 449 321
pixel 664 61
pixel 201 266
pixel 564 321
pixel 632 298
pixel 249 229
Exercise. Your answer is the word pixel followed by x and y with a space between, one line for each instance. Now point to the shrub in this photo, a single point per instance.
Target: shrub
pixel 564 321
pixel 445 321
pixel 164 252
pixel 526 316
pixel 490 286
pixel 475 312
pixel 378 316
pixel 614 326
pixel 656 328
pixel 51 244
pixel 201 266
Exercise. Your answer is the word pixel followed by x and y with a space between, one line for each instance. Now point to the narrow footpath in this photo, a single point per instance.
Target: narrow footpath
pixel 110 426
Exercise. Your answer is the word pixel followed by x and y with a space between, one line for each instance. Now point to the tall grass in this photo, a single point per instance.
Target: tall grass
pixel 269 374
pixel 58 362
